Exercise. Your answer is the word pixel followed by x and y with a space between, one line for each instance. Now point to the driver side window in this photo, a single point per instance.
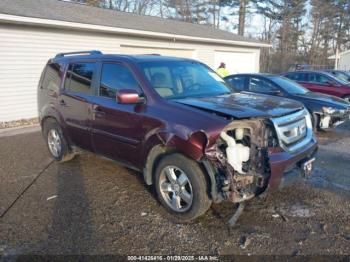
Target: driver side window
pixel 319 79
pixel 261 86
pixel 115 77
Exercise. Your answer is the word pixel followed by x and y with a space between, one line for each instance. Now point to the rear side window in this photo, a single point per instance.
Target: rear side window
pixel 52 79
pixel 79 78
pixel 115 77
pixel 238 82
pixel 261 85
pixel 291 76
pixel 319 79
pixel 297 76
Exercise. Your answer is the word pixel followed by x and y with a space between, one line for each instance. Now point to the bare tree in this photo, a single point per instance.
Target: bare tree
pixel 242 14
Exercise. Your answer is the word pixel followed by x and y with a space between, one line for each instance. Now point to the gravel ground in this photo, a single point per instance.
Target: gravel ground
pixel 91 205
pixel 19 123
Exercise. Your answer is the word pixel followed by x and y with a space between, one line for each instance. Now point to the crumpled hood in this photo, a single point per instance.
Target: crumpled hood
pixel 244 105
pixel 326 99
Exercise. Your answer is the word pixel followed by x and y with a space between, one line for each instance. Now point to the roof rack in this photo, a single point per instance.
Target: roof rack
pixel 92 52
pixel 152 54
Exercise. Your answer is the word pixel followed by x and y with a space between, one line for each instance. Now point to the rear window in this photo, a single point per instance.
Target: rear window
pixel 52 79
pixel 79 78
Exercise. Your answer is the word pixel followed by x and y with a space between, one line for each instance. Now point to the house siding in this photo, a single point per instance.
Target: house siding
pixel 344 62
pixel 25 49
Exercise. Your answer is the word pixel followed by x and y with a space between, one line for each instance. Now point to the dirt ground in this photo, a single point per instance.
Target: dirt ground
pixel 91 205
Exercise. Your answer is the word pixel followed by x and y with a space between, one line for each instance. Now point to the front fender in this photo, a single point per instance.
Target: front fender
pixel 193 146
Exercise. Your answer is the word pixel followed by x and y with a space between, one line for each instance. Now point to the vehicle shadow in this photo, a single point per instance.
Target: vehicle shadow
pixel 71 229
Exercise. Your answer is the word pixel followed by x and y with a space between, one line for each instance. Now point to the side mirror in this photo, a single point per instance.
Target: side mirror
pixel 129 96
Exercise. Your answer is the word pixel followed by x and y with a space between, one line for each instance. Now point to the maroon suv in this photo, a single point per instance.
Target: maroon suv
pixel 322 82
pixel 177 122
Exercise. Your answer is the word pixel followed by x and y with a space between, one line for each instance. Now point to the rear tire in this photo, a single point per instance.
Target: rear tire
pixel 56 142
pixel 181 187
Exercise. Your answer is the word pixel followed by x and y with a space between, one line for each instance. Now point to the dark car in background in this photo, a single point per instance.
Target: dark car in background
pixel 177 122
pixel 322 82
pixel 341 74
pixel 327 111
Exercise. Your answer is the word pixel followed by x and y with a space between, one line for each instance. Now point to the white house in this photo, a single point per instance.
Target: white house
pixel 342 60
pixel 32 31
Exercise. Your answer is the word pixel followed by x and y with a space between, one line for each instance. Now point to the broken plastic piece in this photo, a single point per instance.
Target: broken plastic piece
pixel 236 215
pixel 236 153
pixel 325 121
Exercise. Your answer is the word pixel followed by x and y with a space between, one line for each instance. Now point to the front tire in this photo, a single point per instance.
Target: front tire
pixel 181 187
pixel 56 142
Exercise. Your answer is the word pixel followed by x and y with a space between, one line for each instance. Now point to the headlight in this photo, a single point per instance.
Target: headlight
pixel 329 110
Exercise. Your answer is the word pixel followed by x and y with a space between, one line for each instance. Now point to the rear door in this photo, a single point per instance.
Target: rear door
pixel 117 129
pixel 75 102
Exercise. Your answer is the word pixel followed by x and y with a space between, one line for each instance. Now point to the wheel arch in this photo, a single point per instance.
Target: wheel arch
pixel 193 148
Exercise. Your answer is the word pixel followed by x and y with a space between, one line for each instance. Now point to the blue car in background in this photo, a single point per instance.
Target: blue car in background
pixel 326 111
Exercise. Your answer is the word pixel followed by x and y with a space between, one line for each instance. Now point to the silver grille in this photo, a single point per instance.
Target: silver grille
pixel 294 131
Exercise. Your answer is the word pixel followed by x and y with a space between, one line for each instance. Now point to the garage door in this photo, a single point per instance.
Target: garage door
pixel 237 62
pixel 136 50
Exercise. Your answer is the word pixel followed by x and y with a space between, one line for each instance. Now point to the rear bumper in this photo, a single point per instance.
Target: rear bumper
pixel 286 167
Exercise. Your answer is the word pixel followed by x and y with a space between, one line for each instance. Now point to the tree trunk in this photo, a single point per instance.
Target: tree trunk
pixel 242 13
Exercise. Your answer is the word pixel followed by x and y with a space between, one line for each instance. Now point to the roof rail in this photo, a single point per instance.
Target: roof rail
pixel 92 52
pixel 153 54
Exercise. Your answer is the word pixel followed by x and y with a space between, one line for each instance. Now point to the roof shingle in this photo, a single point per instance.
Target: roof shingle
pixel 70 12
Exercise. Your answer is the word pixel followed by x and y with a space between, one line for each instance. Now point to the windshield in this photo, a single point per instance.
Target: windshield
pixel 183 79
pixel 342 75
pixel 289 86
pixel 338 80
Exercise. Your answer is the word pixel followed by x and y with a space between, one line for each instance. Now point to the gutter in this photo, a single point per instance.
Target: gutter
pixel 13 19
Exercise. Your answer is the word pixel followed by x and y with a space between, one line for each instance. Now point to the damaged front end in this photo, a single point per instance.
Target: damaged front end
pixel 253 154
pixel 240 158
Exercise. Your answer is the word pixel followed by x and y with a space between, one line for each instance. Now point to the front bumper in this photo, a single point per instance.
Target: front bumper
pixel 283 164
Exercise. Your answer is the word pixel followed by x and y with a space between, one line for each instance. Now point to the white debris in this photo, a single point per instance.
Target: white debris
pixel 51 197
pixel 275 215
pixel 297 210
pixel 143 214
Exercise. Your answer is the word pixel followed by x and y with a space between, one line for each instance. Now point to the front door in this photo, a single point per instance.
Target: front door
pixel 117 129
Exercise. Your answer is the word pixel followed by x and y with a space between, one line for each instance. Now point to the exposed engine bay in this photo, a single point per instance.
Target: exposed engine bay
pixel 242 158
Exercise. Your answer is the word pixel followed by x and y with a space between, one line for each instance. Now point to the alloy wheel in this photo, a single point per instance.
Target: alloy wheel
pixel 54 142
pixel 176 188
